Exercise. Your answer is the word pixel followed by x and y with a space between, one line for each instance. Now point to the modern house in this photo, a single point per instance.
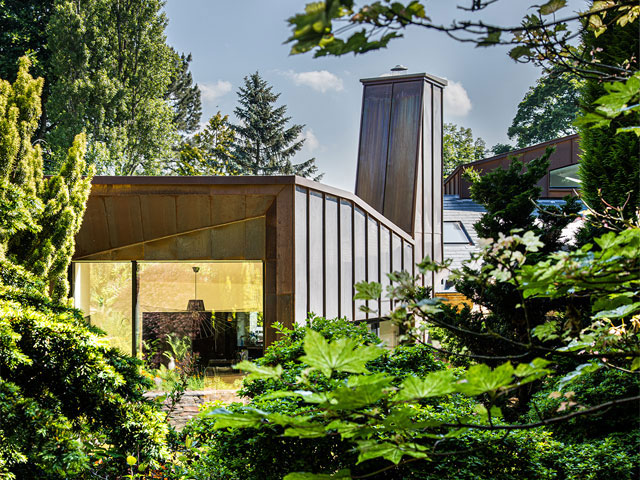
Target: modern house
pixel 222 259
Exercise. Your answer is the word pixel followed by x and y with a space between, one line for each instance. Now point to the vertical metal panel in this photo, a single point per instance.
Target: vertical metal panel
pixel 316 246
pixel 374 138
pixel 301 259
pixel 408 262
pixel 437 159
pixel 385 267
pixel 331 256
pixel 404 137
pixel 427 204
pixel 372 257
pixel 396 252
pixel 360 257
pixel 346 260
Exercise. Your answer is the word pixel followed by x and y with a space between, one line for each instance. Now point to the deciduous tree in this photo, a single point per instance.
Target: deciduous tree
pixel 111 70
pixel 459 147
pixel 548 109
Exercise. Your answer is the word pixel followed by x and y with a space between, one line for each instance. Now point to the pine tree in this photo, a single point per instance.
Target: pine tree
pixel 184 96
pixel 207 152
pixel 264 145
pixel 40 217
pixel 610 163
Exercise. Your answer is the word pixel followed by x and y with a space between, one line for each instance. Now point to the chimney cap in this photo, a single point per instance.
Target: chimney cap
pixel 399 68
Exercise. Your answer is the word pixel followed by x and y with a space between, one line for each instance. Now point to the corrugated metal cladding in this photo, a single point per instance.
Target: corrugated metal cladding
pixel 400 157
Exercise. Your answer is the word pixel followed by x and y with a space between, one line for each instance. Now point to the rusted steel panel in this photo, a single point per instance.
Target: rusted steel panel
pixel 94 233
pixel 157 215
pixel 374 142
pixel 404 137
pixel 124 220
pixel 194 211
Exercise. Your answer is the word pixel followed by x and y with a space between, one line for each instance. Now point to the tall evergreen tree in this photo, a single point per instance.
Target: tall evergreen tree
pixel 264 144
pixel 184 96
pixel 207 152
pixel 41 216
pixel 610 164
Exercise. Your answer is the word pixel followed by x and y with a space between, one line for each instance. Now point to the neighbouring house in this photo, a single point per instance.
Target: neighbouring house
pixel 461 212
pixel 221 260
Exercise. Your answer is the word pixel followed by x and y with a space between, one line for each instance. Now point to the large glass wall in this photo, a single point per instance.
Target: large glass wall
pixel 214 307
pixel 103 292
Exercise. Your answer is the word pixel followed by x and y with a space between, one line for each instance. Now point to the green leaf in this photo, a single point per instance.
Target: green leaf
pixel 131 460
pixel 244 418
pixel 374 449
pixel 342 355
pixel 368 291
pixel 342 474
pixel 546 331
pixel 481 379
pixel 552 6
pixel 621 311
pixel 635 364
pixel 259 371
pixel 578 372
pixel 435 384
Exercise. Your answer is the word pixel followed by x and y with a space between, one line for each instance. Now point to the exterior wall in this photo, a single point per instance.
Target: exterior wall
pixel 340 240
pixel 567 152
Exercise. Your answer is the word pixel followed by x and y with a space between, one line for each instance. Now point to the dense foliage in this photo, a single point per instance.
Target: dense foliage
pixel 66 398
pixel 459 147
pixel 610 160
pixel 414 421
pixel 547 110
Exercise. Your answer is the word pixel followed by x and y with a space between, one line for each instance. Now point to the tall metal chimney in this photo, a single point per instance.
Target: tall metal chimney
pixel 400 155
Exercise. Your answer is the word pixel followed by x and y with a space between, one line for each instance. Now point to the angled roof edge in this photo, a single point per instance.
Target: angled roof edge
pixel 512 153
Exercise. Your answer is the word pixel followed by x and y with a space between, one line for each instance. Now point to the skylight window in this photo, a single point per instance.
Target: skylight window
pixel 454 232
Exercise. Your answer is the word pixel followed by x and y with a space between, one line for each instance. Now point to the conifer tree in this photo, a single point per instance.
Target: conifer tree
pixel 264 144
pixel 610 162
pixel 41 216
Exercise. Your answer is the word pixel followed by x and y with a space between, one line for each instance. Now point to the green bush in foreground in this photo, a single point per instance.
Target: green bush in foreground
pixel 67 400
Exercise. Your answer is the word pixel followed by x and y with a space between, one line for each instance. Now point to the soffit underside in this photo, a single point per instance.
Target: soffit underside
pixel 132 220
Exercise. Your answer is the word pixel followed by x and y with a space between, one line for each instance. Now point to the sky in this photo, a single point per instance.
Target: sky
pixel 230 39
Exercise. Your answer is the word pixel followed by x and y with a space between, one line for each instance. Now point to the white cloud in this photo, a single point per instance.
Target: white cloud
pixel 320 80
pixel 212 91
pixel 456 100
pixel 311 142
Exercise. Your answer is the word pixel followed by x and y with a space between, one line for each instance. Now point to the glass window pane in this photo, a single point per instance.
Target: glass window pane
pixel 454 232
pixel 216 307
pixel 103 292
pixel 346 260
pixel 301 254
pixel 565 177
pixel 331 256
pixel 316 247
